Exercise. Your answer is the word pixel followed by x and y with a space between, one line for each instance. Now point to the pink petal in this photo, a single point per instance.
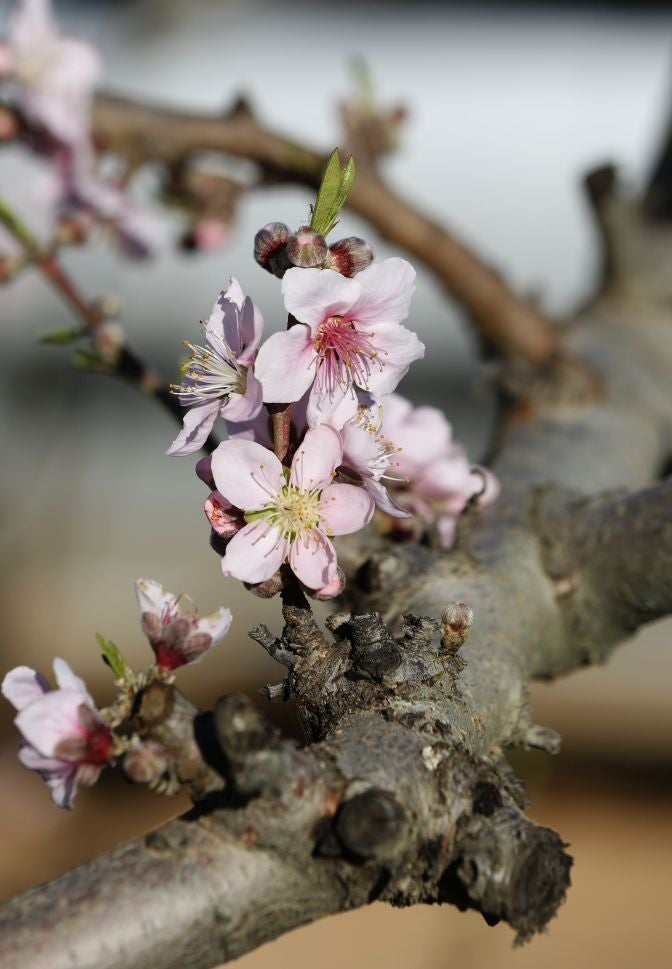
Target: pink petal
pixel 313 559
pixel 448 477
pixel 50 719
pixel 197 424
pixel 223 320
pixel 250 328
pixel 67 680
pixel 312 295
pixel 244 407
pixel 32 760
pixel 246 473
pixel 323 406
pixel 422 433
pixel 346 410
pixel 383 500
pixel 360 450
pixel 488 488
pixel 286 364
pixel 223 517
pixel 387 288
pixel 397 348
pixel 446 526
pixel 316 458
pixel 255 553
pixel 344 509
pixel 22 686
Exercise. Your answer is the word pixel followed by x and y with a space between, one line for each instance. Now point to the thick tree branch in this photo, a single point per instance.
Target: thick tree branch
pixel 403 793
pixel 505 321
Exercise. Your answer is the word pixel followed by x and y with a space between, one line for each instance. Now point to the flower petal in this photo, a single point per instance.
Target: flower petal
pixel 446 527
pixel 255 553
pixel 344 509
pixel 397 348
pixel 244 407
pixel 316 458
pixel 312 295
pixel 67 680
pixel 250 329
pixel 22 686
pixel 387 288
pixel 153 598
pixel 197 424
pixel 216 625
pixel 246 473
pixel 313 559
pixel 52 718
pixel 286 364
pixel 383 500
pixel 323 406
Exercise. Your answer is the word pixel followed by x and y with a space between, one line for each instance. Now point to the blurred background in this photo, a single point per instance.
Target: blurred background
pixel 509 105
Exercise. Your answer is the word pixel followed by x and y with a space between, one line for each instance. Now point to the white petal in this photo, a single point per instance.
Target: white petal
pixel 50 720
pixel 217 624
pixel 313 559
pixel 316 458
pixel 67 680
pixel 153 598
pixel 387 288
pixel 344 509
pixel 246 473
pixel 397 348
pixel 255 553
pixel 312 295
pixel 197 424
pixel 23 686
pixel 286 364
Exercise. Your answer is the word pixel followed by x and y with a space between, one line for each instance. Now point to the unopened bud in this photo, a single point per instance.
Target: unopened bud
pixel 270 248
pixel 145 764
pixel 108 340
pixel 224 518
pixel 455 625
pixel 349 256
pixel 306 248
pixel 334 588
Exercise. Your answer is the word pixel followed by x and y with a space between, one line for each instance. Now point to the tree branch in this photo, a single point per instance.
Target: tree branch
pixel 505 321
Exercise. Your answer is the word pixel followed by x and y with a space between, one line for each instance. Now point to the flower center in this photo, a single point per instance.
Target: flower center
pixel 212 373
pixel 294 511
pixel 344 354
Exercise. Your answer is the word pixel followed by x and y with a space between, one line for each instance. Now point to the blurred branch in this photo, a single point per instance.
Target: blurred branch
pixel 506 322
pixel 122 361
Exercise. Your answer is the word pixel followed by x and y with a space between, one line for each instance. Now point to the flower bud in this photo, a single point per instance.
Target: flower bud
pixel 223 517
pixel 145 764
pixel 456 623
pixel 349 256
pixel 334 588
pixel 306 248
pixel 270 248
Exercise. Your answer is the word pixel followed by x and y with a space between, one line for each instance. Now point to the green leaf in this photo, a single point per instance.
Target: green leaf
pixel 332 193
pixel 112 656
pixel 89 360
pixel 62 337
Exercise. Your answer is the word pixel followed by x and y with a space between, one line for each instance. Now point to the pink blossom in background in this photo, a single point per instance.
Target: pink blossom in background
pixel 54 74
pixel 219 380
pixel 437 479
pixel 173 627
pixel 211 234
pixel 348 335
pixel 65 739
pixel 291 515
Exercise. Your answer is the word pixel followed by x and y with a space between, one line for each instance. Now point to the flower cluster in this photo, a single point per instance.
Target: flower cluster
pixel 53 79
pixel 352 444
pixel 66 739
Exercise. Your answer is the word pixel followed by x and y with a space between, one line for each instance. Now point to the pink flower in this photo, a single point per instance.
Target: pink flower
pixel 219 379
pixel 371 458
pixel 83 195
pixel 66 740
pixel 290 514
pixel 437 479
pixel 177 634
pixel 211 234
pixel 348 335
pixel 55 74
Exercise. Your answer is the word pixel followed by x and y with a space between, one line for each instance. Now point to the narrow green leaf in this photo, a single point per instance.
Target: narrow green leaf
pixel 347 178
pixel 327 194
pixel 112 656
pixel 62 337
pixel 89 360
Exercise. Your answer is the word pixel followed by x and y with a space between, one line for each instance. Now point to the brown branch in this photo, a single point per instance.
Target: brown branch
pixel 505 321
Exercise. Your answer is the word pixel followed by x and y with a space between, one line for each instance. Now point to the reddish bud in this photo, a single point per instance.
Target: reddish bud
pixel 349 256
pixel 270 248
pixel 306 248
pixel 224 518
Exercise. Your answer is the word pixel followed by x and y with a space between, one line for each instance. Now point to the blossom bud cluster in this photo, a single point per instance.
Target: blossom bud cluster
pixel 276 249
pixel 67 740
